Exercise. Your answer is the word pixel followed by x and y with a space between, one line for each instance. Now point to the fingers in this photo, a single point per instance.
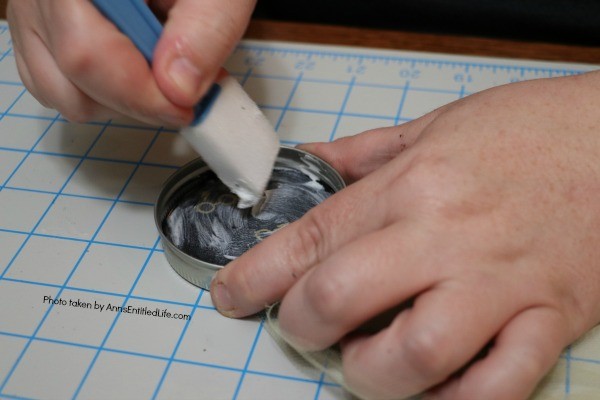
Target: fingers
pixel 263 274
pixel 356 156
pixel 446 327
pixel 106 65
pixel 39 72
pixel 50 86
pixel 198 37
pixel 326 296
pixel 523 353
pixel 73 59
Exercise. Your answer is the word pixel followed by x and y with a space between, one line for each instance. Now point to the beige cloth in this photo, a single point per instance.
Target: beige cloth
pixel 576 376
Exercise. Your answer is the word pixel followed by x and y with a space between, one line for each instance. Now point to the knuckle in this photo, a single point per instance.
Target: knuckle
pixel 326 297
pixel 427 178
pixel 439 190
pixel 427 351
pixel 311 239
pixel 530 368
pixel 74 57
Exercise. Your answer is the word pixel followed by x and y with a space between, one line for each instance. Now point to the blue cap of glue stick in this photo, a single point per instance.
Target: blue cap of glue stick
pixel 136 21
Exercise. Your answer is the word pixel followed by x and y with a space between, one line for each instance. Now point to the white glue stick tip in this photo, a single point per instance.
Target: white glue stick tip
pixel 237 142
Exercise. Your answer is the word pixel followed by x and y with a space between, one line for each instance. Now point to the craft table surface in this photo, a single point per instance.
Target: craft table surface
pixel 76 224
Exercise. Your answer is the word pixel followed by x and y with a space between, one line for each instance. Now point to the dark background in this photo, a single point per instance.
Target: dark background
pixel 553 21
pixel 560 30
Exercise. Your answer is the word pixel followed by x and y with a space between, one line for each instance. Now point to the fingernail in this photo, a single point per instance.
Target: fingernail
pixel 222 299
pixel 185 75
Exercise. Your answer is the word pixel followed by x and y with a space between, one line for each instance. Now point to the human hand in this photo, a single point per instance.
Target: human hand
pixel 73 59
pixel 484 212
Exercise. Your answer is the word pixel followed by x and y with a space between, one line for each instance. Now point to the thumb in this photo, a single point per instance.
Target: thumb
pixel 198 36
pixel 359 155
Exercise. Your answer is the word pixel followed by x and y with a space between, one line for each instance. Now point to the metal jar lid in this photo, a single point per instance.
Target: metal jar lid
pixel 201 228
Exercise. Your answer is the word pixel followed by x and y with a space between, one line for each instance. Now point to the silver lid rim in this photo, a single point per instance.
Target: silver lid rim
pixel 196 271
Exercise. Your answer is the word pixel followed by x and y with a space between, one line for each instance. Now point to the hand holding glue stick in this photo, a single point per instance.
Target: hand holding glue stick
pixel 73 59
pixel 98 73
pixel 229 131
